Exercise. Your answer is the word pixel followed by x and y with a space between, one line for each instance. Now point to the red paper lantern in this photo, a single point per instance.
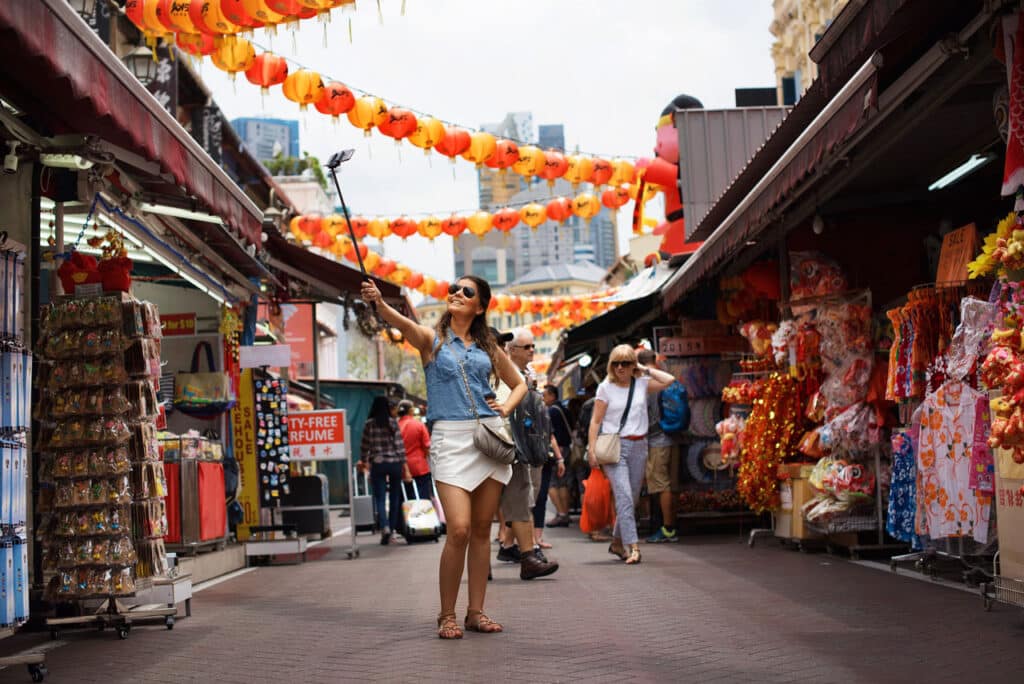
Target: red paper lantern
pixel 454 225
pixel 360 225
pixel 440 290
pixel 288 8
pixel 514 304
pixel 613 198
pixel 385 268
pixel 454 142
pixel 208 17
pixel 350 252
pixel 414 280
pixel 336 99
pixel 602 171
pixel 197 44
pixel 399 123
pixel 267 70
pixel 505 219
pixel 403 227
pixel 554 167
pixel 174 14
pixel 537 330
pixel 506 153
pixel 559 209
pixel 236 12
pixel 557 303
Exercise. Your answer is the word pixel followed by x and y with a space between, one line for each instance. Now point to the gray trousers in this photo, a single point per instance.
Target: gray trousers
pixel 626 478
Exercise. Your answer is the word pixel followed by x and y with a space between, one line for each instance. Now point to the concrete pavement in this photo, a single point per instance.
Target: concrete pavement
pixel 709 609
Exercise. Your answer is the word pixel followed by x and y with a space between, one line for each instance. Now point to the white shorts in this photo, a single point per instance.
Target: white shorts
pixel 454 460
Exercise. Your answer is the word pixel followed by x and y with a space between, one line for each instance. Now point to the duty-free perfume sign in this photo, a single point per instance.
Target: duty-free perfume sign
pixel 318 435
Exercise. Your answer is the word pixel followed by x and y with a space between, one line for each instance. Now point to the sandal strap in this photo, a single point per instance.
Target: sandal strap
pixel 482 620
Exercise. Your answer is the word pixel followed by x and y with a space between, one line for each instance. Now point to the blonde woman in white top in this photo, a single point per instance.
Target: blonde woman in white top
pixel 626 476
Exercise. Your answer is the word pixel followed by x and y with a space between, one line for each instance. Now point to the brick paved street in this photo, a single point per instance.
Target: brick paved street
pixel 708 609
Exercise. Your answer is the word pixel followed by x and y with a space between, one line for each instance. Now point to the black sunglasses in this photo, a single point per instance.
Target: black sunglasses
pixel 524 346
pixel 467 291
pixel 623 364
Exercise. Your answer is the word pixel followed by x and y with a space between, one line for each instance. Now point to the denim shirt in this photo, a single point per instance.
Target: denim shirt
pixel 446 389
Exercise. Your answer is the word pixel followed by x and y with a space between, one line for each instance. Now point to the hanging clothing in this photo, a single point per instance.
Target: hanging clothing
pixel 946 504
pixel 903 490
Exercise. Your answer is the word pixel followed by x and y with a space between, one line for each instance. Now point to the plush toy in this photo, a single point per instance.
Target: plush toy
pixel 80 269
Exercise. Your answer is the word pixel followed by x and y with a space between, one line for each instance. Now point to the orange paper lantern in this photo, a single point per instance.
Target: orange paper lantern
pixel 533 215
pixel 267 70
pixel 602 172
pixel 371 261
pixel 385 268
pixel 554 167
pixel 531 162
pixel 505 219
pixel 506 153
pixel 234 56
pixel 429 227
pixel 428 285
pixel 415 280
pixel 579 169
pixel 350 253
pixel 623 172
pixel 454 142
pixel 479 223
pixel 258 9
pixel 336 99
pixel 363 114
pixel 174 15
pixel 304 87
pixel 334 225
pixel 403 227
pixel 378 228
pixel 196 44
pixel 237 13
pixel 514 304
pixel 428 132
pixel 440 290
pixel 360 224
pixel 586 206
pixel 208 17
pixel 559 209
pixel 481 147
pixel 454 225
pixel 613 198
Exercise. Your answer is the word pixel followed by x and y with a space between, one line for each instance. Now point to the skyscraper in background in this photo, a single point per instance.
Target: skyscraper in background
pixel 263 136
pixel 501 258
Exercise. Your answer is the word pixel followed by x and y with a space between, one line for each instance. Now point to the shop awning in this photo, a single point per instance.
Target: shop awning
pixel 73 84
pixel 642 284
pixel 329 280
pixel 835 123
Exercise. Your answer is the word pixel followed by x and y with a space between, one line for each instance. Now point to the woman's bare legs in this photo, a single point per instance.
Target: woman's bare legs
pixel 457 505
pixel 485 502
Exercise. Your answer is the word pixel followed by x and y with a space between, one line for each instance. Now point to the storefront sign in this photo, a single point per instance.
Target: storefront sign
pixel 265 355
pixel 178 324
pixel 165 85
pixel 243 429
pixel 958 248
pixel 699 346
pixel 318 435
pixel 207 129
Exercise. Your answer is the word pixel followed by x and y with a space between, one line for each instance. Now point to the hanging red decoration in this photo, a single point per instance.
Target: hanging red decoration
pixel 454 142
pixel 196 44
pixel 385 268
pixel 554 167
pixel 414 280
pixel 613 198
pixel 440 290
pixel 175 16
pixel 454 225
pixel 350 252
pixel 505 219
pixel 399 123
pixel 236 12
pixel 506 153
pixel 360 226
pixel 336 99
pixel 559 209
pixel 602 171
pixel 304 87
pixel 208 17
pixel 267 70
pixel 403 227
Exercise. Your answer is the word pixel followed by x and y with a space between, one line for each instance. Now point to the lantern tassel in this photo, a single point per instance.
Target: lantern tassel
pixel 380 14
pixel 403 8
pixel 325 34
pixel 398 150
pixel 350 30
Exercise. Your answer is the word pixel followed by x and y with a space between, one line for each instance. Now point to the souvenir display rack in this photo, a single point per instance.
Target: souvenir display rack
pixel 15 419
pixel 101 505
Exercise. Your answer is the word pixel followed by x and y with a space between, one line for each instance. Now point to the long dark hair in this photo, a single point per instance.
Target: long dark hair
pixel 478 328
pixel 380 411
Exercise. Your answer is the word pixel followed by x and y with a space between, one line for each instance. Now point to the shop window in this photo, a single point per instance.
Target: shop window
pixel 789 90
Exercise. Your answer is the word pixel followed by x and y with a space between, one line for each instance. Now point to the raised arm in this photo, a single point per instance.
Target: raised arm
pixel 659 379
pixel 419 336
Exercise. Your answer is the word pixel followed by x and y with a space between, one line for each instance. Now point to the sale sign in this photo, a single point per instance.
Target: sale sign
pixel 318 435
pixel 178 324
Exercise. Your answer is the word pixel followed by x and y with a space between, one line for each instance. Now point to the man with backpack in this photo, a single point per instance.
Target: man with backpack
pixel 531 431
pixel 667 418
pixel 562 431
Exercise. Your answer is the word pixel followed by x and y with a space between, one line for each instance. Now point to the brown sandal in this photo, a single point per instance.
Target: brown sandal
pixel 634 556
pixel 482 623
pixel 448 627
pixel 617 552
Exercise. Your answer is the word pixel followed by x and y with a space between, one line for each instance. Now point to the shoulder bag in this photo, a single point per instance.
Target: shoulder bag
pixel 203 394
pixel 493 441
pixel 606 449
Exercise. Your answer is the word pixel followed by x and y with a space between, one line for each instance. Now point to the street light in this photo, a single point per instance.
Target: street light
pixel 85 8
pixel 142 65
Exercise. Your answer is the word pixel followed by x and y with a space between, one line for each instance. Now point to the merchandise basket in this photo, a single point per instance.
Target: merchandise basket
pixel 1002 589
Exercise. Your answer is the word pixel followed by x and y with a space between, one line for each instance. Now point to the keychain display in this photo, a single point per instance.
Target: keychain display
pixel 101 507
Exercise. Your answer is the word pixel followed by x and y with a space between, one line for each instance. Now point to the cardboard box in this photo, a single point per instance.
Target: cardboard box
pixel 1009 502
pixel 794 492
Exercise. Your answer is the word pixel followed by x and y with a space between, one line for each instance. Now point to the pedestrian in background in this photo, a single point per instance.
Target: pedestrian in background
pixel 459 356
pixel 662 465
pixel 417 446
pixel 382 450
pixel 561 483
pixel 621 407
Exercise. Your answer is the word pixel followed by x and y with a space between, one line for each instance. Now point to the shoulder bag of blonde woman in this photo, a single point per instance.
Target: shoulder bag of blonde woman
pixel 606 449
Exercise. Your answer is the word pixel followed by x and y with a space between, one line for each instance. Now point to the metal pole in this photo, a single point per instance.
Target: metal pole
pixel 316 361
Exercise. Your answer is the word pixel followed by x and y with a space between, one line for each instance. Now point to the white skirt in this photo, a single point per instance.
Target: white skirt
pixel 454 459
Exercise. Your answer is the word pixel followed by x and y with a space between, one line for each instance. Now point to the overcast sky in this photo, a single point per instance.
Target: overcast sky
pixel 604 69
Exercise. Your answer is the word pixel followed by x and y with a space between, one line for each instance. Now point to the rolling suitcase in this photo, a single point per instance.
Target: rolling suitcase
pixel 419 519
pixel 363 519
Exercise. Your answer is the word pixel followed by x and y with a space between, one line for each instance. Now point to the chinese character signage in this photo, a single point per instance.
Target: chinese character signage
pixel 99 22
pixel 207 130
pixel 317 435
pixel 165 85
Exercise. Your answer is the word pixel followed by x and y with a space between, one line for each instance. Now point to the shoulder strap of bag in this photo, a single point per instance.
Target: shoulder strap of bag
pixel 629 402
pixel 209 356
pixel 465 380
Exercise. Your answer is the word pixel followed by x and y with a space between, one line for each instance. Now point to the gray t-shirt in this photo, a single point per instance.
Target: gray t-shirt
pixel 655 436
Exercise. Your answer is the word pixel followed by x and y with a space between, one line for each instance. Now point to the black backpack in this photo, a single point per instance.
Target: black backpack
pixel 531 429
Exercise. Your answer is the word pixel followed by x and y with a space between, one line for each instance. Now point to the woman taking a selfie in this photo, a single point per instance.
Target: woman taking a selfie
pixel 460 357
pixel 621 407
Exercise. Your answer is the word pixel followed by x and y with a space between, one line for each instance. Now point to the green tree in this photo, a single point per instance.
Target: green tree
pixel 281 165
